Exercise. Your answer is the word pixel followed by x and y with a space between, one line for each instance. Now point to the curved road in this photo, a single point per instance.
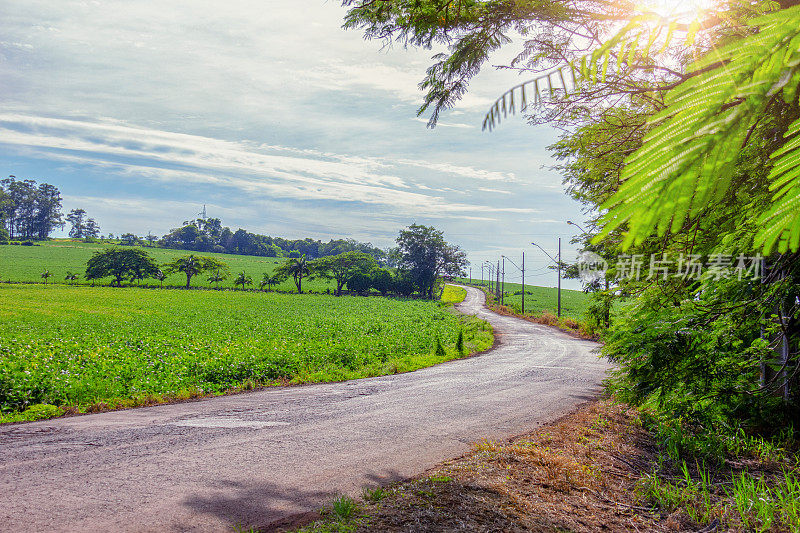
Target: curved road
pixel 252 459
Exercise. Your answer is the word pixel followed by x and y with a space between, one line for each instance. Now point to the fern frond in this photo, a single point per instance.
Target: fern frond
pixel 636 38
pixel 686 160
pixel 781 224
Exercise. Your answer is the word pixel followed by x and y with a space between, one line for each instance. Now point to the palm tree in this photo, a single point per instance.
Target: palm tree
pixel 217 277
pixel 243 279
pixel 269 281
pixel 70 277
pixel 296 267
pixel 160 276
pixel 46 274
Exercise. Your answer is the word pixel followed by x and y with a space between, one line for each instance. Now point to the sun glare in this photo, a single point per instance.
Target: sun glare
pixel 681 9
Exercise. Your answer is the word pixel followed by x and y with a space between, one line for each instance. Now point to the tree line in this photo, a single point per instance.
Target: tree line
pixel 424 258
pixel 28 210
pixel 209 235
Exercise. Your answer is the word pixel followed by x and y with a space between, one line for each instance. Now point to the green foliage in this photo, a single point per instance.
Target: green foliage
pixel 192 265
pixel 297 268
pixel 382 281
pixel 62 255
pixel 460 342
pixel 438 350
pixel 344 507
pixel 359 283
pixel 453 295
pixel 132 263
pixel 374 495
pixel 688 158
pixel 76 346
pixel 343 267
pixel 242 280
pixel 425 256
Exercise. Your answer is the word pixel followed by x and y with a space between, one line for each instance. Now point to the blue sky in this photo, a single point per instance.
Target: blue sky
pixel 274 117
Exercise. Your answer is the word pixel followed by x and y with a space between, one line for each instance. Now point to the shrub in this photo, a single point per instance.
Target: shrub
pixel 359 283
pixel 382 281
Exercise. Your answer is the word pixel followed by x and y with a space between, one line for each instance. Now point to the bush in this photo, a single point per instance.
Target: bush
pixel 403 284
pixel 382 281
pixel 359 283
pixel 28 243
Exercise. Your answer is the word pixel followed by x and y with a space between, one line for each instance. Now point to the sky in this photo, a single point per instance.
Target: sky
pixel 273 117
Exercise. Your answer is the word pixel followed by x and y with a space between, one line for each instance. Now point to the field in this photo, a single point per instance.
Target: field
pixel 544 299
pixel 90 348
pixel 26 263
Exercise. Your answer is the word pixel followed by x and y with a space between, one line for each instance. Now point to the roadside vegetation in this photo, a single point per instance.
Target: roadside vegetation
pixel 453 295
pixel 77 349
pixel 603 467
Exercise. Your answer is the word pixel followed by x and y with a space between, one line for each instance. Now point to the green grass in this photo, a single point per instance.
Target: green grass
pixel 544 299
pixel 453 294
pixel 84 347
pixel 59 256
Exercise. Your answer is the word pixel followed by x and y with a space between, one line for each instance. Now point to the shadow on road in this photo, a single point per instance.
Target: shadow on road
pixel 268 506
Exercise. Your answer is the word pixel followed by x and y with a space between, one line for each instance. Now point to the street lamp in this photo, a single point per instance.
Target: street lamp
pixel 523 278
pixel 578 226
pixel 558 265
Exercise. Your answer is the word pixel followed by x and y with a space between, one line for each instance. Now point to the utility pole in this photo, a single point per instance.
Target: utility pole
pixel 558 267
pixel 497 283
pixel 503 284
pixel 559 277
pixel 523 283
pixel 470 275
pixel 482 275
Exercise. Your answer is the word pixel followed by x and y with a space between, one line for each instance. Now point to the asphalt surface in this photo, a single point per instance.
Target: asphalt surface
pixel 253 459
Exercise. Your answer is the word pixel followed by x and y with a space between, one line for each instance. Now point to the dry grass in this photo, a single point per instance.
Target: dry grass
pixel 577 474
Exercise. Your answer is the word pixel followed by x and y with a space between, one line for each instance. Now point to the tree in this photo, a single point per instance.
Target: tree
pixel 46 274
pixel 382 281
pixel 30 211
pixel 268 280
pixel 70 277
pixel 133 263
pixel 76 218
pixel 151 239
pixel 297 268
pixel 217 276
pixel 426 256
pixel 359 283
pixel 242 279
pixel 192 265
pixel 343 266
pixel 129 239
pixel 91 230
pixel 160 276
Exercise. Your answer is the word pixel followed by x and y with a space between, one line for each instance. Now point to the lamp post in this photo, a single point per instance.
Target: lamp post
pixel 558 266
pixel 523 278
pixel 571 223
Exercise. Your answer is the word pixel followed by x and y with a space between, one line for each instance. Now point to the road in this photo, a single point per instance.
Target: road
pixel 256 458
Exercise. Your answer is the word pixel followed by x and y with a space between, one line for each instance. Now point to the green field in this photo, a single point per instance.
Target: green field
pixel 99 347
pixel 26 263
pixel 544 299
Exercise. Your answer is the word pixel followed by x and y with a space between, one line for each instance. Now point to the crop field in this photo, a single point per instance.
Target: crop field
pixel 88 348
pixel 26 263
pixel 545 299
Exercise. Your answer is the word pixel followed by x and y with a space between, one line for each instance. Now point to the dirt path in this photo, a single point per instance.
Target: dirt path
pixel 253 459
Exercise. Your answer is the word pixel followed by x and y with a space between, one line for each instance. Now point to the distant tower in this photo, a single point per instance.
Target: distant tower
pixel 203 212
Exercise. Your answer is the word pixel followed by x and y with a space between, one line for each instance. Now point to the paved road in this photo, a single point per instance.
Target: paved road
pixel 255 458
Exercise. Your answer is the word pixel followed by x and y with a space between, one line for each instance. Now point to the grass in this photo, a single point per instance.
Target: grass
pixel 59 256
pixel 453 294
pixel 543 300
pixel 599 468
pixel 73 348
